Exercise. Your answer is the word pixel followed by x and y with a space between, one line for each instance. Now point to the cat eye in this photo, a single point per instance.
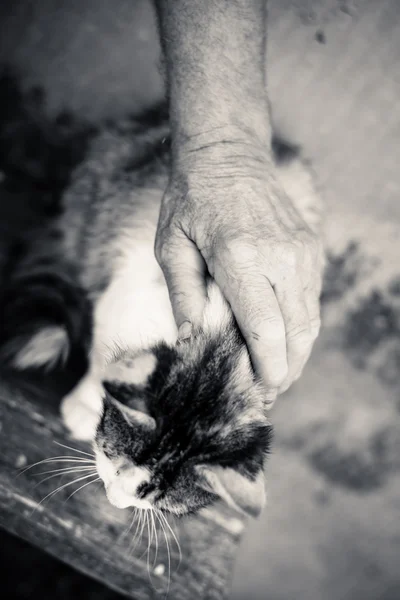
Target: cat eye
pixel 117 392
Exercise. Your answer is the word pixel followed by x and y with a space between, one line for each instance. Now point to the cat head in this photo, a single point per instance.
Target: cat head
pixel 184 426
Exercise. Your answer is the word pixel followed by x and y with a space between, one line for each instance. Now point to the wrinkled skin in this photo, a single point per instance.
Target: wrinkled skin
pixel 234 220
pixel 223 210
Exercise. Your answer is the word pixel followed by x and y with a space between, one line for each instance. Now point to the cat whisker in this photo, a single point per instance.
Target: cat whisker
pixel 138 532
pixel 143 519
pixel 149 539
pixel 143 525
pixel 83 486
pixel 174 536
pixel 56 459
pixel 154 522
pixel 61 487
pixel 65 470
pixel 157 513
pixel 60 474
pixel 75 449
pixel 127 529
pixel 140 529
pixel 152 534
pixel 138 517
pixel 146 521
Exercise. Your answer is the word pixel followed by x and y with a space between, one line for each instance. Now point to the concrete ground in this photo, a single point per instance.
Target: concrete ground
pixel 332 527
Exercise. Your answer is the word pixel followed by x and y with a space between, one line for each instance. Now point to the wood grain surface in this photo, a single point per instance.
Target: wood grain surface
pixel 86 532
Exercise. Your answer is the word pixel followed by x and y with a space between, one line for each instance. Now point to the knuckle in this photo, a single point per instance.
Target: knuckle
pixel 161 254
pixel 300 332
pixel 304 248
pixel 158 250
pixel 179 301
pixel 237 251
pixel 290 254
pixel 165 249
pixel 209 249
pixel 273 328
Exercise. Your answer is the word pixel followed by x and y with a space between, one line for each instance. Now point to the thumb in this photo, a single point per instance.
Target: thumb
pixel 185 273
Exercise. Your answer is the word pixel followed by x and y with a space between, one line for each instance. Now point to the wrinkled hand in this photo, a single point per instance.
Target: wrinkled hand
pixel 224 212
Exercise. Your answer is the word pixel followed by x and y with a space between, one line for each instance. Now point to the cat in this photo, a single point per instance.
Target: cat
pixel 174 425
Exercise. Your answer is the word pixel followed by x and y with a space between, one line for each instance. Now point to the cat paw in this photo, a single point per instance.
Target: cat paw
pixel 81 410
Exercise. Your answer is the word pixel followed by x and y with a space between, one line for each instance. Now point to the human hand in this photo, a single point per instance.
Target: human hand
pixel 224 213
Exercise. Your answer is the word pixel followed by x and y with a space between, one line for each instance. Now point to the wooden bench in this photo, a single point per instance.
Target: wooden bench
pixel 86 532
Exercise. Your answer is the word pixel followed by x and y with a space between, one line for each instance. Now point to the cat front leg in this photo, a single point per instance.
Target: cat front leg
pixel 81 409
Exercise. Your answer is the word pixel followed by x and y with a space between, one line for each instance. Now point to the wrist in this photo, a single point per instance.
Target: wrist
pixel 222 159
pixel 212 117
pixel 221 144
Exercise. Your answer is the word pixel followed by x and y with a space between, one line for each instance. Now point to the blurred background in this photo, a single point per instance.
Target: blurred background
pixel 331 530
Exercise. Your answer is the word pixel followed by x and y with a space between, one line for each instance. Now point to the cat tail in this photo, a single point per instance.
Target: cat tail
pixel 45 316
pixel 297 179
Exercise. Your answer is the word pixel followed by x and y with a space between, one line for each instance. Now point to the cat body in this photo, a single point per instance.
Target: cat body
pixel 174 425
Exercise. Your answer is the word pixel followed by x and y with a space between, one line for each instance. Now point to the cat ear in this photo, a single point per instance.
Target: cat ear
pixel 241 493
pixel 134 417
pixel 132 371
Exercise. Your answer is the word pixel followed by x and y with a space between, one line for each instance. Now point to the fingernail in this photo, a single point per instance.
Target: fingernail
pixel 185 330
pixel 270 398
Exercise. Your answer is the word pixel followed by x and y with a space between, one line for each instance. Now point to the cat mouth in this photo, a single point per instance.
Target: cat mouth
pixel 118 498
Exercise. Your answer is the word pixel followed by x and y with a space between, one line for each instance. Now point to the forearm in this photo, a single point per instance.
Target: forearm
pixel 215 61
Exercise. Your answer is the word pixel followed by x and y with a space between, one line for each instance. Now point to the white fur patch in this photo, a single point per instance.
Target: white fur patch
pixel 243 371
pixel 81 409
pixel 133 371
pixel 105 467
pixel 45 348
pixel 217 313
pixel 135 311
pixel 121 482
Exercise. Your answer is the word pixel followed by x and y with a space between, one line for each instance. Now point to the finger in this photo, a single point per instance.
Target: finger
pixel 184 271
pixel 259 318
pixel 294 310
pixel 312 299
